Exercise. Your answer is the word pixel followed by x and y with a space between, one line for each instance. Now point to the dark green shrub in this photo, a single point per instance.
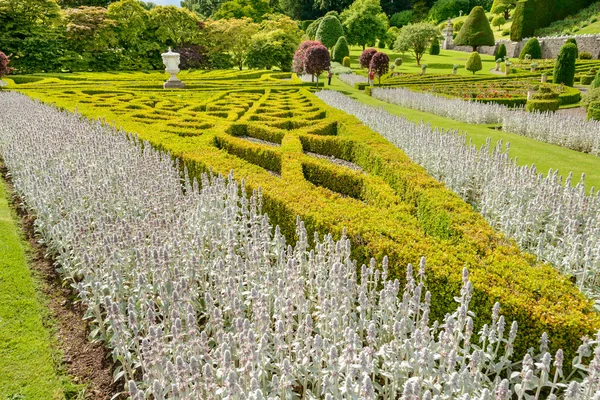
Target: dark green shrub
pixel 501 52
pixel 505 32
pixel 402 18
pixel 533 48
pixel 584 55
pixel 311 30
pixel 573 41
pixel 434 49
pixel 594 111
pixel 564 70
pixel 341 50
pixel 444 9
pixel 398 62
pixel 305 24
pixel 476 31
pixel 542 105
pixel 330 30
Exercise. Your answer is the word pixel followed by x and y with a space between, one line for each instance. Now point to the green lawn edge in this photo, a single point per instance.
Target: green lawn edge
pixel 27 368
pixel 528 151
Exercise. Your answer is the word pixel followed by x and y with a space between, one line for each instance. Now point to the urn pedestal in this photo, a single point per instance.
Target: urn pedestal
pixel 171 61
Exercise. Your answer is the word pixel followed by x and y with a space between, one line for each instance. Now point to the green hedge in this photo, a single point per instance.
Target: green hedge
pixel 394 208
pixel 587 79
pixel 542 105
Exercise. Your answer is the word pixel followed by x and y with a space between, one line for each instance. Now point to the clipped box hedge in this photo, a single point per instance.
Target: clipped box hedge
pixel 389 207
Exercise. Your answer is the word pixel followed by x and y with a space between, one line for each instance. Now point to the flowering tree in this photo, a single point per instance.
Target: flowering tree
pixel 300 56
pixel 4 68
pixel 365 57
pixel 380 63
pixel 317 60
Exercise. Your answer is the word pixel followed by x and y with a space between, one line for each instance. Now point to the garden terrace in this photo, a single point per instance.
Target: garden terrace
pixel 394 208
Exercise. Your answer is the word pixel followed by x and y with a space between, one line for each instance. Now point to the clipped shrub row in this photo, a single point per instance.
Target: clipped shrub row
pixel 396 208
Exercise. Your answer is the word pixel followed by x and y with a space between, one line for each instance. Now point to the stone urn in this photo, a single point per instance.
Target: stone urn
pixel 171 62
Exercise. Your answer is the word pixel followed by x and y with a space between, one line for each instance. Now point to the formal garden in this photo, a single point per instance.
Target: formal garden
pixel 245 199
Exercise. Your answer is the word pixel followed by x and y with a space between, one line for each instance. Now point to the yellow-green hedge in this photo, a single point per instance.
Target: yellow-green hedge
pixel 394 208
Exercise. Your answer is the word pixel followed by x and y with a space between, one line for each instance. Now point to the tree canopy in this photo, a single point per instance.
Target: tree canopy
pixel 254 9
pixel 329 31
pixel 364 21
pixel 416 37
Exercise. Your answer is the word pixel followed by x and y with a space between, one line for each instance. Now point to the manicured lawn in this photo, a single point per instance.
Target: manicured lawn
pixel 528 151
pixel 27 368
pixel 440 64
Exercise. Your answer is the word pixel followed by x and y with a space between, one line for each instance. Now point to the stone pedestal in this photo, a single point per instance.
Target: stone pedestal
pixel 544 78
pixel 448 33
pixel 171 62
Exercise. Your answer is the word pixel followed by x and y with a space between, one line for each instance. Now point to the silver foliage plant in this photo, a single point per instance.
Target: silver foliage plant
pixel 199 298
pixel 351 79
pixel 545 215
pixel 563 130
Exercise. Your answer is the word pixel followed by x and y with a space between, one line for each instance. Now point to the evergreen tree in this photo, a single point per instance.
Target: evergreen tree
pixel 330 30
pixel 564 70
pixel 501 52
pixel 341 50
pixel 572 40
pixel 533 48
pixel 474 63
pixel 476 31
pixel 523 21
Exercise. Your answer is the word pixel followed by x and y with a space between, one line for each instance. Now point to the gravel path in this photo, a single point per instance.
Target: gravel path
pixel 260 141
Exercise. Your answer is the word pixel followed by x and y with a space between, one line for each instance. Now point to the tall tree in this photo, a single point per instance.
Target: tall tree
pixel 299 9
pixel 332 5
pixel 564 69
pixel 254 9
pixel 275 44
pixel 391 7
pixel 476 31
pixel 503 7
pixel 234 35
pixel 175 26
pixel 206 8
pixel 364 21
pixel 416 37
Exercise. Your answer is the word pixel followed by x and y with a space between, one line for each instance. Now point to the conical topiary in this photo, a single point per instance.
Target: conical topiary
pixel 476 31
pixel 572 40
pixel 329 31
pixel 434 49
pixel 523 23
pixel 533 48
pixel 501 53
pixel 341 50
pixel 564 70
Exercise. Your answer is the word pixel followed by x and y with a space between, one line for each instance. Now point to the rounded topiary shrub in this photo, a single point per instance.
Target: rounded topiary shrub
pixel 533 48
pixel 594 111
pixel 346 62
pixel 474 63
pixel 584 55
pixel 434 49
pixel 501 52
pixel 564 69
pixel 398 62
pixel 341 50
pixel 542 105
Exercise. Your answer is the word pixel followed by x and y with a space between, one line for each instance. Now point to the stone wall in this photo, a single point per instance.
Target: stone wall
pixel 550 46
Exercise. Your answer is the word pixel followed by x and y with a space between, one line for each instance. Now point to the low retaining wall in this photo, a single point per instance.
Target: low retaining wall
pixel 550 46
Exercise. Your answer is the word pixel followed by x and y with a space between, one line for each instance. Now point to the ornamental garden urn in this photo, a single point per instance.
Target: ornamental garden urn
pixel 171 62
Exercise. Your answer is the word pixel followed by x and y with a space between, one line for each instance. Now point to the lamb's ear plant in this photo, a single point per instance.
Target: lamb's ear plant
pixel 545 215
pixel 197 296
